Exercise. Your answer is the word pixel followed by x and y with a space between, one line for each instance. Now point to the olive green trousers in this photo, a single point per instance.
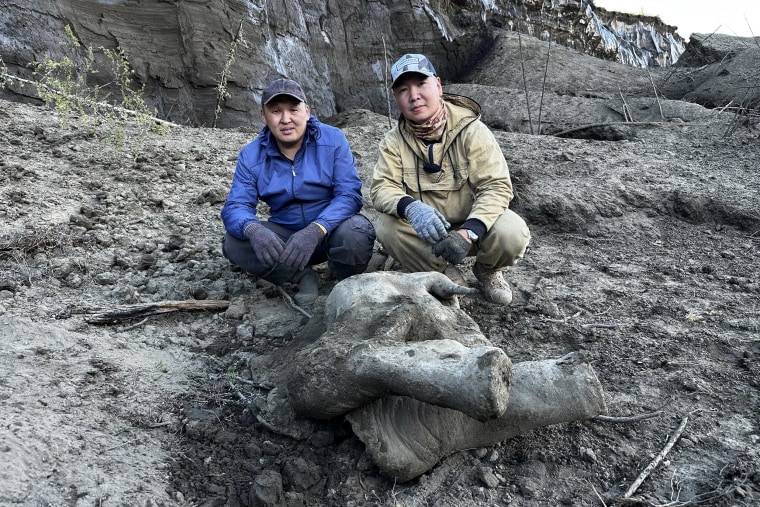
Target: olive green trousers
pixel 502 246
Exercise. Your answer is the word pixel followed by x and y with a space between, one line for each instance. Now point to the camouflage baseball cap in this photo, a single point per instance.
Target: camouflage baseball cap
pixel 282 87
pixel 411 63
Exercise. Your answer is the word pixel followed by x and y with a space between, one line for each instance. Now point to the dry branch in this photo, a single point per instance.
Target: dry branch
pixel 657 98
pixel 656 461
pixel 614 123
pixel 626 110
pixel 146 309
pixel 525 82
pixel 292 303
pixel 629 419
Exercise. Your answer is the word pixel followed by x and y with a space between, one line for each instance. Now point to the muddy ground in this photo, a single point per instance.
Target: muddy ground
pixel 644 257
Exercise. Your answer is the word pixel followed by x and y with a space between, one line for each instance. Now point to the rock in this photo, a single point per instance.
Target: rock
pixel 267 491
pixel 487 477
pixel 704 49
pixel 714 71
pixel 301 474
pixel 178 50
pixel 236 311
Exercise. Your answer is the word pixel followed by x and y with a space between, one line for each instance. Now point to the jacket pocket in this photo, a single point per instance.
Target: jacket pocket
pixel 450 178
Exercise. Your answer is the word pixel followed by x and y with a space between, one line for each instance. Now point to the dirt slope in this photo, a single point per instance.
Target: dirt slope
pixel 644 257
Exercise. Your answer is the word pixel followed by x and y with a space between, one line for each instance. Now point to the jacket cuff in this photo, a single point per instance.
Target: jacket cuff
pixel 403 204
pixel 475 226
pixel 247 229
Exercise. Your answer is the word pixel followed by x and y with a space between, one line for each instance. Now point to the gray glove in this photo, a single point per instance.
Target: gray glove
pixel 454 248
pixel 266 244
pixel 301 246
pixel 428 222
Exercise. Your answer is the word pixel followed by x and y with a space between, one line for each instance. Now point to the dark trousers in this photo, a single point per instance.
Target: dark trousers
pixel 347 250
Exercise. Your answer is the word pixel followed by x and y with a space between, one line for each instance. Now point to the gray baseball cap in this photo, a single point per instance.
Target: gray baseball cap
pixel 282 87
pixel 411 63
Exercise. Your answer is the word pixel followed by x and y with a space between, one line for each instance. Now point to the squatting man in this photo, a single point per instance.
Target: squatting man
pixel 442 187
pixel 305 172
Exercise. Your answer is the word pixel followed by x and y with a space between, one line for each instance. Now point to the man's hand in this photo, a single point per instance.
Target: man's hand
pixel 301 246
pixel 454 247
pixel 266 244
pixel 428 223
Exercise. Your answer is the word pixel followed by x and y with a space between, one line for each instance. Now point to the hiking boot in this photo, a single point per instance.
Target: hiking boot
pixel 495 288
pixel 308 288
pixel 455 275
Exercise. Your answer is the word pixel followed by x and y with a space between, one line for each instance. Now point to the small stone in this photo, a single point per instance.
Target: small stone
pixel 487 477
pixel 235 311
pixel 588 455
pixel 107 278
pixel 74 280
pixel 480 453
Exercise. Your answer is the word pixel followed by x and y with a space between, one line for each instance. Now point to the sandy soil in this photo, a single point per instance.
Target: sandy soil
pixel 644 257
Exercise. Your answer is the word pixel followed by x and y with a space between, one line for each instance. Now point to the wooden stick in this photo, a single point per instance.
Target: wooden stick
pixel 598 496
pixel 610 325
pixel 614 123
pixel 657 98
pixel 145 309
pixel 292 303
pixel 629 419
pixel 525 82
pixel 626 110
pixel 133 326
pixel 656 461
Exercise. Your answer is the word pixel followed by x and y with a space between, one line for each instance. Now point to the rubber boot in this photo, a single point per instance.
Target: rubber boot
pixel 308 287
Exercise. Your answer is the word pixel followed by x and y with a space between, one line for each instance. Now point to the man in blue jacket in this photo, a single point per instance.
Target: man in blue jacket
pixel 305 172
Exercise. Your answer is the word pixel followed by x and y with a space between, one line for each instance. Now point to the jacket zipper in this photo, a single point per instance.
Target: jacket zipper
pixel 293 189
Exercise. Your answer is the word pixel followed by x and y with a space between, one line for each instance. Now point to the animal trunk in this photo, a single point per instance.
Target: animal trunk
pixel 406 437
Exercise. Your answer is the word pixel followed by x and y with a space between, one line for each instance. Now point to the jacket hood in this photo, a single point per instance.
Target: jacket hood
pixel 462 101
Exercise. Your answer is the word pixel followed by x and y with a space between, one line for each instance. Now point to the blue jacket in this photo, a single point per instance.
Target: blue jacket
pixel 321 185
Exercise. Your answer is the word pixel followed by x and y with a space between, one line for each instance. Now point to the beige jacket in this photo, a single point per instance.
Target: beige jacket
pixel 475 180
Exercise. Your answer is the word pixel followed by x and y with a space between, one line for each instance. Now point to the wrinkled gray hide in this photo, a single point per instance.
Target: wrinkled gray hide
pixel 418 380
pixel 392 334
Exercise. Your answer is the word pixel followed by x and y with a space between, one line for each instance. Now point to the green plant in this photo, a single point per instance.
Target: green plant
pixel 221 89
pixel 4 76
pixel 63 85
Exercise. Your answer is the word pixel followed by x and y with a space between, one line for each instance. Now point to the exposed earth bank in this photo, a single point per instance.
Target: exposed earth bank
pixel 644 258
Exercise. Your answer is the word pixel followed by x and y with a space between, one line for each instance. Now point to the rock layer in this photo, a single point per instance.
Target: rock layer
pixel 339 50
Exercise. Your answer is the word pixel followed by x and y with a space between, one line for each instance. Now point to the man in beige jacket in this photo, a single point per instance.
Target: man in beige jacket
pixel 442 186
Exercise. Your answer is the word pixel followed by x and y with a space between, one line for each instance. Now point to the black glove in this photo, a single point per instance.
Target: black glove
pixel 428 222
pixel 454 248
pixel 266 244
pixel 301 246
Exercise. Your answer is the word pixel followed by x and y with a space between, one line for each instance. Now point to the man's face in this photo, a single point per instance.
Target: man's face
pixel 286 117
pixel 418 96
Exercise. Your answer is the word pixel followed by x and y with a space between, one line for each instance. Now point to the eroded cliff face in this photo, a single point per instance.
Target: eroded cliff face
pixel 339 50
pixel 640 41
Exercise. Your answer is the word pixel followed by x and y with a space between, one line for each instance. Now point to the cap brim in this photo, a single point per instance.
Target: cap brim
pixel 285 94
pixel 423 73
